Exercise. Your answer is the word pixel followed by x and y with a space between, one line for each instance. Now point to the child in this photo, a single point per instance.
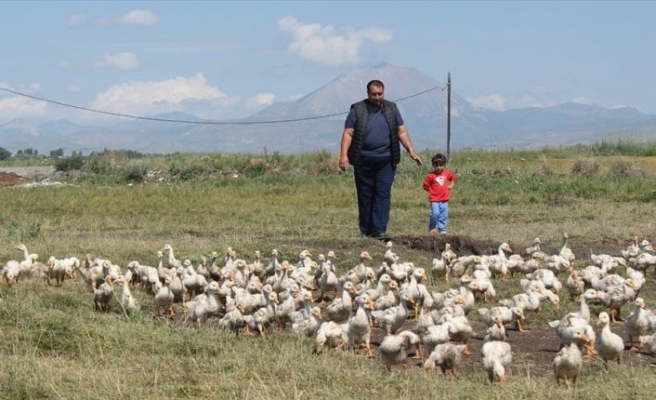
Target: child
pixel 438 184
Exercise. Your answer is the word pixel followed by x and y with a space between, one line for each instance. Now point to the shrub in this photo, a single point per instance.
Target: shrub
pixel 586 167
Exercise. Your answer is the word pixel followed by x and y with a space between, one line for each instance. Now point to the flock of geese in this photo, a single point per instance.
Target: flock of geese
pixel 309 297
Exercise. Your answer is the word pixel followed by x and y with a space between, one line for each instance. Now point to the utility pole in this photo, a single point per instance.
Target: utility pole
pixel 448 117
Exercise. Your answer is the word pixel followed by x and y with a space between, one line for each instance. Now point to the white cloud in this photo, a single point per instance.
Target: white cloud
pixel 139 17
pixel 325 45
pixel 122 61
pixel 78 20
pixel 134 17
pixel 261 99
pixel 65 65
pixel 582 100
pixel 19 106
pixel 140 98
pixel 75 88
pixel 492 101
pixel 29 87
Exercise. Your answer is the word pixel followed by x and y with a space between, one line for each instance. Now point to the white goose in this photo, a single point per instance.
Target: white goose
pixel 359 326
pixel 394 349
pixel 610 346
pixel 447 356
pixel 496 356
pixel 568 362
pixel 640 323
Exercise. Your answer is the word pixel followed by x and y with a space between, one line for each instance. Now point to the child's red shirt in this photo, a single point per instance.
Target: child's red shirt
pixel 437 185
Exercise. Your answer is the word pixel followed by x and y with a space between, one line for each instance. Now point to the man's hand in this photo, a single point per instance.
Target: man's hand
pixel 343 162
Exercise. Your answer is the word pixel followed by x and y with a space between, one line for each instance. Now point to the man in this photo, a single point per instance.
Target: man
pixel 373 133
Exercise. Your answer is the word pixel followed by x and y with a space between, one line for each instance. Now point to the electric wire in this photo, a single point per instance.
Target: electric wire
pixel 202 122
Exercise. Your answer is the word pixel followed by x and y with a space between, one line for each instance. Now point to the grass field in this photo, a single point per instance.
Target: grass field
pixel 122 207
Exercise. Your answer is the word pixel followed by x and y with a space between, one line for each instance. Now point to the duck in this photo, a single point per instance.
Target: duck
pixel 460 330
pixel 394 349
pixel 534 247
pixel 447 356
pixel 328 282
pixel 440 267
pixel 610 345
pixel 129 303
pixel 574 285
pixel 358 273
pixel 640 323
pixel 568 362
pixel 506 314
pixel 496 357
pixel 434 335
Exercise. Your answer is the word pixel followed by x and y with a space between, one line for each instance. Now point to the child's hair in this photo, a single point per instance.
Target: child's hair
pixel 438 160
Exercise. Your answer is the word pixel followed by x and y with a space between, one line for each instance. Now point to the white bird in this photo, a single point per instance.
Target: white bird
pixel 496 356
pixel 394 348
pixel 568 362
pixel 447 356
pixel 610 345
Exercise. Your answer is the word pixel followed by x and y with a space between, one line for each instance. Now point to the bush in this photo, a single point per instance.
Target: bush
pixel 72 163
pixel 586 167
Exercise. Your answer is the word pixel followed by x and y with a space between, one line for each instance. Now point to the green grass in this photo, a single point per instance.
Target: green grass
pixel 52 344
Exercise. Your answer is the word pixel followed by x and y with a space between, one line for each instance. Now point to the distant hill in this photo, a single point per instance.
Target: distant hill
pixel 315 122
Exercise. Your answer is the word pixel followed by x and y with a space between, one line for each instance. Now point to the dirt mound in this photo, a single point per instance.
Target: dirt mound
pixel 11 179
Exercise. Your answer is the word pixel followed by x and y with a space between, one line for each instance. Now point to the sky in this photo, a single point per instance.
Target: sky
pixel 228 59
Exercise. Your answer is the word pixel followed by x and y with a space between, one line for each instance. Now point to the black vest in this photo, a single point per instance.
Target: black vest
pixel 362 116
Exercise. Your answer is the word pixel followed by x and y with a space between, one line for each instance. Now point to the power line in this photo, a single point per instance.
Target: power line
pixel 204 122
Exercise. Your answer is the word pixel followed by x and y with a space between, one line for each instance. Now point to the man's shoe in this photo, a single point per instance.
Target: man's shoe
pixel 383 237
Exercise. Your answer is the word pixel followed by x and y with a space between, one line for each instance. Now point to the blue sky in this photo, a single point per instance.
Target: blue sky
pixel 227 59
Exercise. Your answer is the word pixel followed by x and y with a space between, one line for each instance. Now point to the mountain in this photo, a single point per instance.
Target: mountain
pixel 315 122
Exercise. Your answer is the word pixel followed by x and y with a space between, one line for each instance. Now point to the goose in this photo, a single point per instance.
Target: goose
pixel 103 295
pixel 548 277
pixel 359 326
pixel 567 328
pixel 331 333
pixel 309 325
pixel 389 298
pixel 534 247
pixel 461 265
pixel 392 319
pixel 328 282
pixel 164 297
pixel 565 251
pixel 460 330
pixel 610 345
pixel 204 305
pixel 568 362
pixel 496 332
pixel 496 356
pixel 273 264
pixel 340 309
pixel 172 261
pixel 394 348
pixel 506 314
pixel 498 263
pixel 574 285
pixel 229 262
pixel 640 323
pixel 128 302
pixel 56 271
pixel 434 335
pixel 257 267
pixel 447 356
pixel 201 268
pixel 193 282
pixel 616 296
pixel 261 318
pixel 382 287
pixel 358 273
pixel 440 267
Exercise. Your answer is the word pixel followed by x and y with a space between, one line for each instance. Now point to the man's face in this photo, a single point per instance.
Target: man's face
pixel 376 94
